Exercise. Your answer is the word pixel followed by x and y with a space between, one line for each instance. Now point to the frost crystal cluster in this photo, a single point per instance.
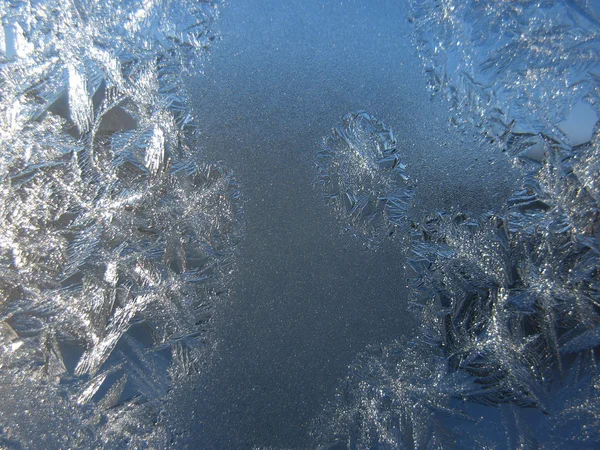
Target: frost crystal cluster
pixel 504 65
pixel 360 169
pixel 508 303
pixel 396 396
pixel 115 238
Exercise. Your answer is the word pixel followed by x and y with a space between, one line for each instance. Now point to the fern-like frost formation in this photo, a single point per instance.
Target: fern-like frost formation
pixel 509 302
pixel 117 238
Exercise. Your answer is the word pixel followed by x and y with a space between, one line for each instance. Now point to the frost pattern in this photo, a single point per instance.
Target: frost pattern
pixel 365 181
pixel 396 396
pixel 516 297
pixel 508 303
pixel 116 238
pixel 510 65
pixel 509 312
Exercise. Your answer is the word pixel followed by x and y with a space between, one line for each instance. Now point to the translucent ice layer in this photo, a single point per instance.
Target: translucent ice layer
pixel 360 168
pixel 116 237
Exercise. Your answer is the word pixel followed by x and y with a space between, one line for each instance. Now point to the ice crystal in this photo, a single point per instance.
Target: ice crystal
pixel 116 238
pixel 516 296
pixel 360 168
pixel 511 299
pixel 396 396
pixel 523 63
pixel 505 302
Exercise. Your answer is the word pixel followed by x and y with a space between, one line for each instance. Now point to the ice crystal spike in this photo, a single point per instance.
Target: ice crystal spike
pixel 360 169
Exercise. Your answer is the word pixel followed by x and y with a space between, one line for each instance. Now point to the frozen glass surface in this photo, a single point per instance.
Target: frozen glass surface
pixel 283 225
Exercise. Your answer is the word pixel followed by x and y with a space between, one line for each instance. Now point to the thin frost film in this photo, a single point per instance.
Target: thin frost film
pixel 116 238
pixel 360 169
